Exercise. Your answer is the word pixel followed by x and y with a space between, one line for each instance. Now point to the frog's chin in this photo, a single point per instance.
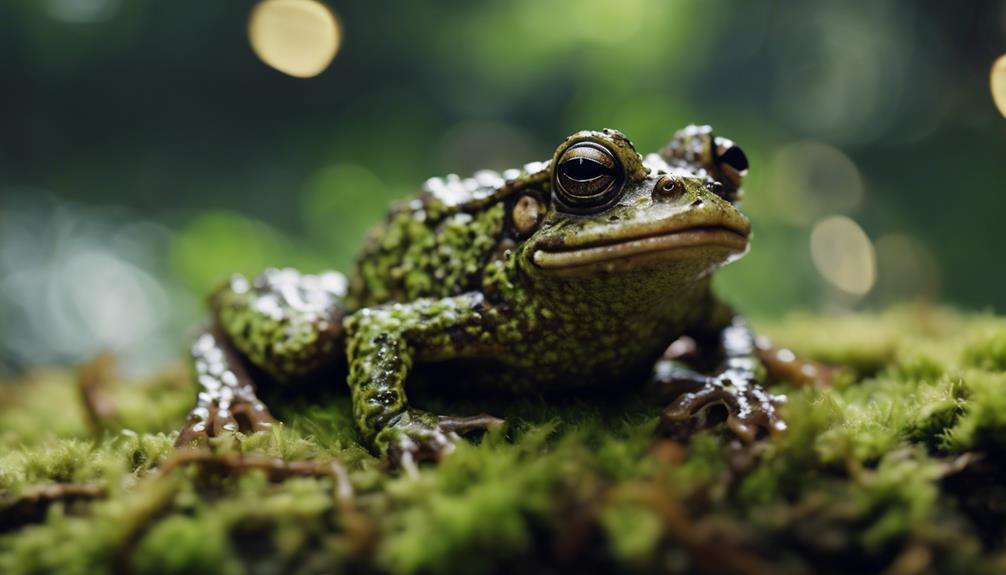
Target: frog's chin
pixel 714 244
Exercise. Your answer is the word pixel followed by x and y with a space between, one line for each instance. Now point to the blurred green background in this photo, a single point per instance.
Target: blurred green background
pixel 146 152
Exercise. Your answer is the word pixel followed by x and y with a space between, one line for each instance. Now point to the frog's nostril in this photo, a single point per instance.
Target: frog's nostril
pixel 666 189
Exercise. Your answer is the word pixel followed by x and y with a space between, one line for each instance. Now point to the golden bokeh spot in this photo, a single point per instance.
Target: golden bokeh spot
pixel 843 254
pixel 296 37
pixel 809 180
pixel 998 84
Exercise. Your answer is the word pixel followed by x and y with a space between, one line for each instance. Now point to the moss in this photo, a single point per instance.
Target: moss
pixel 987 350
pixel 982 424
pixel 182 544
pixel 898 466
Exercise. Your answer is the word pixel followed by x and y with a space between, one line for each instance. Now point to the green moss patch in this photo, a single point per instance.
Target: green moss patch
pixel 899 468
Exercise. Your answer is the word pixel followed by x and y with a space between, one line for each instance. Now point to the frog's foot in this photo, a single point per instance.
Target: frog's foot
pixel 417 436
pixel 215 418
pixel 704 401
pixel 226 402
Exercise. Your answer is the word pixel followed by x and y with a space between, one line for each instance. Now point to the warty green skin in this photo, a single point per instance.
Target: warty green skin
pixel 459 274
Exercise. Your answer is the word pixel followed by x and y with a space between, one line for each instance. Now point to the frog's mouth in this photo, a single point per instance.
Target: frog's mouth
pixel 648 245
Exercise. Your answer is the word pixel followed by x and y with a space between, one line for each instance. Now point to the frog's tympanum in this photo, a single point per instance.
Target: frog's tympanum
pixel 571 273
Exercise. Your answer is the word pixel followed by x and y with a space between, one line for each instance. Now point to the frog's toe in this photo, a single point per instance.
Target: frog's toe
pixel 419 436
pixel 194 432
pixel 762 417
pixel 784 365
pixel 469 424
pixel 408 450
pixel 213 419
pixel 747 408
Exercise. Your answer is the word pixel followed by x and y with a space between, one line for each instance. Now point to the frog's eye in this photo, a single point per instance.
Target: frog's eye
pixel 731 160
pixel 587 177
pixel 730 154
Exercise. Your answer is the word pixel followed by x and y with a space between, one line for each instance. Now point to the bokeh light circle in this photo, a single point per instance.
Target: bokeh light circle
pixel 809 180
pixel 843 254
pixel 297 37
pixel 998 84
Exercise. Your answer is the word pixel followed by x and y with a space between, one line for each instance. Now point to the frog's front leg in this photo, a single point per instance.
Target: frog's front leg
pixel 383 344
pixel 282 323
pixel 735 384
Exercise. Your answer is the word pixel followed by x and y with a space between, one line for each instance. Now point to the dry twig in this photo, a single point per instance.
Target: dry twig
pixel 32 505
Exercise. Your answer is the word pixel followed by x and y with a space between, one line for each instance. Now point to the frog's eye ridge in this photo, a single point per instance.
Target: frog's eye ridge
pixel 588 177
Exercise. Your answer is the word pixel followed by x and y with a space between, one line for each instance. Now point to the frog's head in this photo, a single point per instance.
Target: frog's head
pixel 608 213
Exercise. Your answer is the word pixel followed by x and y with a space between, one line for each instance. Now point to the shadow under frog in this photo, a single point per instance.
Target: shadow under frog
pixel 570 274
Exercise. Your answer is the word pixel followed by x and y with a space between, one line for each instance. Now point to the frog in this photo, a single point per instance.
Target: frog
pixel 591 270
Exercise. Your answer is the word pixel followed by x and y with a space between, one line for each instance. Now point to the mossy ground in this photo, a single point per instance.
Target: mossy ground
pixel 899 468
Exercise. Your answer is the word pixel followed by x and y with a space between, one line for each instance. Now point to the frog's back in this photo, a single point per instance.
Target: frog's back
pixel 438 243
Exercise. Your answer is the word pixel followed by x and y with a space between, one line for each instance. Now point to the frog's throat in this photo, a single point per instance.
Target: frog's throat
pixel 674 243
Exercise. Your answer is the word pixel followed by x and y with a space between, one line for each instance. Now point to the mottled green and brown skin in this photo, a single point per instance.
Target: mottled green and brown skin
pixel 575 272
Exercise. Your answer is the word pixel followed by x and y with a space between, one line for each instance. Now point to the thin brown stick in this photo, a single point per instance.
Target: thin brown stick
pixel 275 469
pixel 32 505
pixel 94 380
